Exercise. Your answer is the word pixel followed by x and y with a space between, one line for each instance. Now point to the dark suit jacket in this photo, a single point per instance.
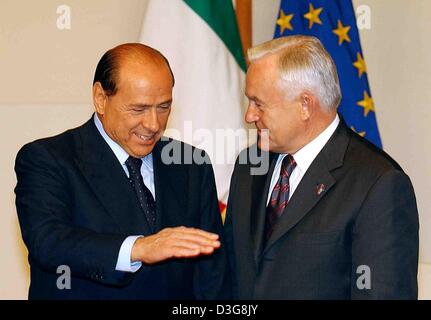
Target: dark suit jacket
pixel 76 206
pixel 366 215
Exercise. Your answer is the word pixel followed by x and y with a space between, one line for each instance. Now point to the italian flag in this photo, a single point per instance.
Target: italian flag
pixel 200 39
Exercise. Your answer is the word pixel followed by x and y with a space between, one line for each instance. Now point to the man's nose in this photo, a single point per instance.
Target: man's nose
pixel 151 121
pixel 252 114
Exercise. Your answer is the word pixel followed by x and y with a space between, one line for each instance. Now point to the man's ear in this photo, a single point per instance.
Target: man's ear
pixel 307 101
pixel 99 98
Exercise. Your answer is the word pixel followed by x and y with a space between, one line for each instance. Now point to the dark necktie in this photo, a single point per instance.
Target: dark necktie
pixel 145 198
pixel 279 196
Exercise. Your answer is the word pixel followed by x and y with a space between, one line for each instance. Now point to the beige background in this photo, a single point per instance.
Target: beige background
pixel 46 75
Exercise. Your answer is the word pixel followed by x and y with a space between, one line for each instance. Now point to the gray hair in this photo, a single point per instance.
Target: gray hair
pixel 305 65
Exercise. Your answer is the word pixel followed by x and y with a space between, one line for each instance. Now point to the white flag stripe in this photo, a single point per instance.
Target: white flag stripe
pixel 209 88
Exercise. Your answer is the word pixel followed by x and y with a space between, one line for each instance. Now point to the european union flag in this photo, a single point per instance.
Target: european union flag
pixel 334 23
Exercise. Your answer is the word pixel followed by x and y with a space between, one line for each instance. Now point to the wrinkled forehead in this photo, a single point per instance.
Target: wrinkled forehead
pixel 153 69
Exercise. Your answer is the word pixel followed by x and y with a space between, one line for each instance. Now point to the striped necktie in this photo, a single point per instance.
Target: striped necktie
pixel 279 196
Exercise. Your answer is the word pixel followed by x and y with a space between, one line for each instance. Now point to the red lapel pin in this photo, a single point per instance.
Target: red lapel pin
pixel 320 188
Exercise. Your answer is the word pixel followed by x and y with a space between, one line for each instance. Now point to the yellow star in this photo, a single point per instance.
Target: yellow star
pixel 313 16
pixel 367 104
pixel 362 133
pixel 342 33
pixel 284 21
pixel 360 65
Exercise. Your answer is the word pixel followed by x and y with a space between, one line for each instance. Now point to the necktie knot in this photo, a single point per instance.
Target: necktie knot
pixel 133 165
pixel 287 166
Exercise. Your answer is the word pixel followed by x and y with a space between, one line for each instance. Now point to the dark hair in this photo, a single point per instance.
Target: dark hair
pixel 105 73
pixel 106 70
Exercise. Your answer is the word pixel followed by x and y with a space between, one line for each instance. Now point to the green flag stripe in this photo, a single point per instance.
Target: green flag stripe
pixel 220 16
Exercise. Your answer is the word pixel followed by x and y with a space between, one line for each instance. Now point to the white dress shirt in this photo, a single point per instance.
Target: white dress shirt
pixel 124 256
pixel 303 158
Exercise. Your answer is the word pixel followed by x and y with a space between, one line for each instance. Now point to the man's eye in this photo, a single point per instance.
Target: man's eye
pixel 164 106
pixel 140 109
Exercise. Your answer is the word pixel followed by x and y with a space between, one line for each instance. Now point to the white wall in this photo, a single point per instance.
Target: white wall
pixel 46 74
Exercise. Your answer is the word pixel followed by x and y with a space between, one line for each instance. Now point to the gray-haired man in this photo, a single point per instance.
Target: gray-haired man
pixel 334 217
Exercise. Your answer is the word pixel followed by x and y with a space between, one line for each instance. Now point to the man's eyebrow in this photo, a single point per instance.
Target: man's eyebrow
pixel 142 105
pixel 254 98
pixel 165 102
pixel 138 105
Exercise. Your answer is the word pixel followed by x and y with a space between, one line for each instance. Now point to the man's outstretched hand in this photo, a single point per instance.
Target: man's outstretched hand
pixel 178 242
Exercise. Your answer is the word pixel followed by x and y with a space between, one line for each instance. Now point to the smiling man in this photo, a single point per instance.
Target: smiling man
pixel 334 217
pixel 101 201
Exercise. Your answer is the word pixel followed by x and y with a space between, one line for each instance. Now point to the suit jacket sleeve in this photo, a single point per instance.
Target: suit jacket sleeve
pixel 211 277
pixel 385 239
pixel 43 201
pixel 228 227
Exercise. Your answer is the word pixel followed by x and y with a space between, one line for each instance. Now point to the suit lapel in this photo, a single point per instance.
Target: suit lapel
pixel 303 200
pixel 169 181
pixel 307 194
pixel 107 179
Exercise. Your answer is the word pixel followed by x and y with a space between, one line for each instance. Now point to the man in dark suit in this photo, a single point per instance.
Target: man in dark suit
pixel 106 203
pixel 333 217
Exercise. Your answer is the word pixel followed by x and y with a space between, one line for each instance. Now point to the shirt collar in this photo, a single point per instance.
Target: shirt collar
pixel 306 155
pixel 119 152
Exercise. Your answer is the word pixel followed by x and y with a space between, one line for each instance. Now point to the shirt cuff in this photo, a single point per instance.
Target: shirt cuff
pixel 124 262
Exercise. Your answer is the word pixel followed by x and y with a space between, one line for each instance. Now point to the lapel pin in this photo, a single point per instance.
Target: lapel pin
pixel 320 188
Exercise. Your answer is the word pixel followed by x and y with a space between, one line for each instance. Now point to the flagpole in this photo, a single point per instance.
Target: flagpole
pixel 244 19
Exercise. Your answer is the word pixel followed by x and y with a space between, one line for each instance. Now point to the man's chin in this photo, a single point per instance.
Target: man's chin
pixel 263 145
pixel 142 151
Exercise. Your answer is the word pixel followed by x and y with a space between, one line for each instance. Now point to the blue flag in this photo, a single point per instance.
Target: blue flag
pixel 334 23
